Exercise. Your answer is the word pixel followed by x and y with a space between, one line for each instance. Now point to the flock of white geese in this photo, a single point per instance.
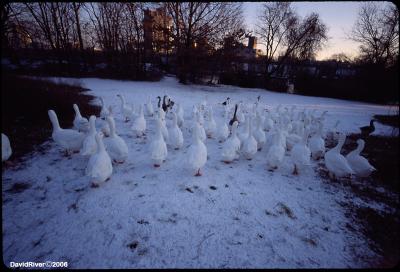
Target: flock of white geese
pixel 244 130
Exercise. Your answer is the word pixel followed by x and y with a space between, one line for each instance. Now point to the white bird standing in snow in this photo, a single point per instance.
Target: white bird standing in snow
pixel 164 129
pixel 149 107
pixel 99 167
pixel 197 152
pixel 158 148
pixel 276 151
pixel 80 123
pixel 104 127
pixel 68 139
pixel 89 146
pixel 6 150
pixel 175 133
pixel 126 111
pixel 301 154
pixel 202 132
pixel 223 131
pixel 104 111
pixel 258 132
pixel 210 125
pixel 358 163
pixel 249 147
pixel 180 115
pixel 230 149
pixel 115 145
pixel 333 134
pixel 139 124
pixel 317 144
pixel 336 163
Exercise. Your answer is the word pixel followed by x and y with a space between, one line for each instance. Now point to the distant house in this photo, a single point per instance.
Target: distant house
pixel 157 25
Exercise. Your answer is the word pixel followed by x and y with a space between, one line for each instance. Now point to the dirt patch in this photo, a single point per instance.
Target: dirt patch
pixel 18 187
pixel 25 102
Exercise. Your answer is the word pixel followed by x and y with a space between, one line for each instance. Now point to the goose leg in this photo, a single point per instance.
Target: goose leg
pixel 295 172
pixel 198 173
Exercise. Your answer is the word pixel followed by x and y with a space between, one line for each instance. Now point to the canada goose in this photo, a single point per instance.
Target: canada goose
pixel 234 118
pixel 164 105
pixel 226 101
pixel 367 130
pixel 159 102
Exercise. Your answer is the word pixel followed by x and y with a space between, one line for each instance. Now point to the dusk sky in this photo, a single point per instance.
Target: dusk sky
pixel 338 16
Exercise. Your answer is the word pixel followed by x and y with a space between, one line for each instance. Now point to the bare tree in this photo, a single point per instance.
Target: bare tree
pixel 377 30
pixel 199 22
pixel 287 35
pixel 106 20
pixel 76 6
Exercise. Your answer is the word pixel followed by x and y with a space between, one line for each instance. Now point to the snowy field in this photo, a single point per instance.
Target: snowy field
pixel 235 215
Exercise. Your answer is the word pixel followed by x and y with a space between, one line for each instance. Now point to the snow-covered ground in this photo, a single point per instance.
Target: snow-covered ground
pixel 236 215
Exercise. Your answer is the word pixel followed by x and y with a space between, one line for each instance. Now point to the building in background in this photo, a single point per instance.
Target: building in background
pixel 157 26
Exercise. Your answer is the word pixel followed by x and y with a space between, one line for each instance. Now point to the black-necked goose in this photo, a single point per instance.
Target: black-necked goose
pixel 367 130
pixel 234 118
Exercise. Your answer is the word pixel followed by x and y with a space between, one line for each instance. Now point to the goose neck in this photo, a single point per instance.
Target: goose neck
pixel 112 126
pixel 54 120
pixel 100 143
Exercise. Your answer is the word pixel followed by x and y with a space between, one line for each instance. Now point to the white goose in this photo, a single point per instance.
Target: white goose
pixel 104 127
pixel 230 149
pixel 115 145
pixel 164 129
pixel 139 124
pixel 249 147
pixel 158 148
pixel 175 133
pixel 180 115
pixel 268 123
pixel 99 167
pixel 240 116
pixel 6 150
pixel 202 132
pixel 223 132
pixel 333 134
pixel 149 107
pixel 210 125
pixel 317 144
pixel 126 111
pixel 199 116
pixel 68 139
pixel 276 151
pixel 245 133
pixel 197 152
pixel 258 133
pixel 358 163
pixel 337 163
pixel 89 146
pixel 80 123
pixel 301 154
pixel 104 111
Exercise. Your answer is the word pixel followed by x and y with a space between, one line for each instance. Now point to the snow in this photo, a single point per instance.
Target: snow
pixel 235 215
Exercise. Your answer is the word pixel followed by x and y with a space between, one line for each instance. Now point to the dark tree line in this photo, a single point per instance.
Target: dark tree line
pixel 194 40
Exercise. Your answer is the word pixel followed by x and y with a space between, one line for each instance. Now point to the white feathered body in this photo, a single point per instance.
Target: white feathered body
pixel 99 167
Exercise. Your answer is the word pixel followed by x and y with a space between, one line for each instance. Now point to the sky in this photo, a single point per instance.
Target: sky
pixel 338 16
